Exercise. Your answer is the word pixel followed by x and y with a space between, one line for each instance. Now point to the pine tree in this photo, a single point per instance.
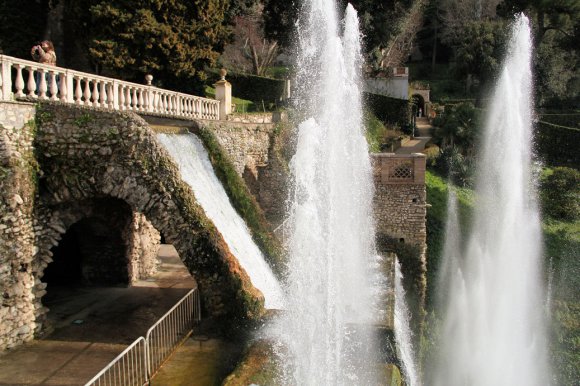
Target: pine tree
pixel 175 40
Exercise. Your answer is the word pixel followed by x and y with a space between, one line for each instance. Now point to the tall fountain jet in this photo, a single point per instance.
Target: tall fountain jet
pixel 330 222
pixel 494 330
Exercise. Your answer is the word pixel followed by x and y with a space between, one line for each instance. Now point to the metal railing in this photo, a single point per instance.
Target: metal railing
pixel 26 79
pixel 127 369
pixel 136 365
pixel 173 327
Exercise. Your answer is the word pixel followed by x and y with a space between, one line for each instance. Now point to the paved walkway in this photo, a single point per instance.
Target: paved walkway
pixel 424 132
pixel 93 325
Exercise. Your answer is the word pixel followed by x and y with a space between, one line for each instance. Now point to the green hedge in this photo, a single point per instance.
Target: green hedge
pixel 256 88
pixel 243 201
pixel 556 144
pixel 389 110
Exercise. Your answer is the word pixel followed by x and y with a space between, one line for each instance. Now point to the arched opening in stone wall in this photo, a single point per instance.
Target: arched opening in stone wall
pixel 110 278
pixel 93 249
pixel 91 252
pixel 418 105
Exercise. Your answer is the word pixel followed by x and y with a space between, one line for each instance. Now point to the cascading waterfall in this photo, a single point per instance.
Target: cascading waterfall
pixel 196 170
pixel 494 330
pixel 331 230
pixel 403 333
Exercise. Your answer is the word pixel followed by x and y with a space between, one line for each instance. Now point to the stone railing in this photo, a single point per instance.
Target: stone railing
pixel 20 79
pixel 400 168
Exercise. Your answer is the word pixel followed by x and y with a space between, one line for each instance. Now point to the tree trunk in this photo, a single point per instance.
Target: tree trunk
pixel 54 26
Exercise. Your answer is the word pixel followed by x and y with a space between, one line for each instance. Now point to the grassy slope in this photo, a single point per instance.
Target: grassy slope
pixel 562 249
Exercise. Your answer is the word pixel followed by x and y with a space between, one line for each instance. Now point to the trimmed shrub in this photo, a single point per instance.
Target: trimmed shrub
pixel 257 89
pixel 389 110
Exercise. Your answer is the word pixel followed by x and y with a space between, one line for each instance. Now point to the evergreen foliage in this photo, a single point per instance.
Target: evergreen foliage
pixel 560 193
pixel 177 38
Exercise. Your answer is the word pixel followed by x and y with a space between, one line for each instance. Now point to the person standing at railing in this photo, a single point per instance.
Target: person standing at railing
pixel 44 53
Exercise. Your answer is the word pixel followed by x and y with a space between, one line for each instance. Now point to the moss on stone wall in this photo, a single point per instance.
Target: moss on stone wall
pixel 243 200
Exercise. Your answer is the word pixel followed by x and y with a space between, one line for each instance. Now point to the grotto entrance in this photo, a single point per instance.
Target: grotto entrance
pixel 91 252
pixel 110 277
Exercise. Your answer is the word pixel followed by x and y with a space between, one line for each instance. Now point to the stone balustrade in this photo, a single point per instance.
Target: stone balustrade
pixel 19 78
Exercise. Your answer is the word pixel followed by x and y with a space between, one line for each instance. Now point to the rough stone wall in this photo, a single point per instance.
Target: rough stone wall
pixel 143 244
pixel 18 285
pixel 254 149
pixel 15 115
pixel 247 144
pixel 400 197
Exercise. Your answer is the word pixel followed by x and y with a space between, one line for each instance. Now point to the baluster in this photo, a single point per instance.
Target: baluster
pixel 95 93
pixel 178 105
pixel 110 96
pixel 31 83
pixel 197 109
pixel 78 90
pixel 153 101
pixel 19 83
pixel 145 96
pixel 103 93
pixel 87 93
pixel 121 97
pixel 42 87
pixel 53 86
pixel 135 100
pixel 171 104
pixel 62 87
pixel 127 98
pixel 164 104
pixel 141 100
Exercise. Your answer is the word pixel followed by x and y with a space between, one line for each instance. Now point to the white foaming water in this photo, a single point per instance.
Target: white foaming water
pixel 451 251
pixel 494 331
pixel 196 169
pixel 330 222
pixel 403 334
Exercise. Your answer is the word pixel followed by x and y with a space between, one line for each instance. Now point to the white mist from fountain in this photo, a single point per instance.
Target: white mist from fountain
pixel 494 330
pixel 196 170
pixel 325 330
pixel 403 333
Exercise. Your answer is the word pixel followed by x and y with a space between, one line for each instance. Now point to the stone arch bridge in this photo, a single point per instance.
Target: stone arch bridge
pixel 66 164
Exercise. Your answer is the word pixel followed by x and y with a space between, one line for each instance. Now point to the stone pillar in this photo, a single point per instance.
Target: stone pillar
pixel 400 207
pixel 223 93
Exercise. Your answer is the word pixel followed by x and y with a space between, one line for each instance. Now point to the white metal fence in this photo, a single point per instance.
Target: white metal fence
pixel 136 365
pixel 165 335
pixel 23 78
pixel 127 369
